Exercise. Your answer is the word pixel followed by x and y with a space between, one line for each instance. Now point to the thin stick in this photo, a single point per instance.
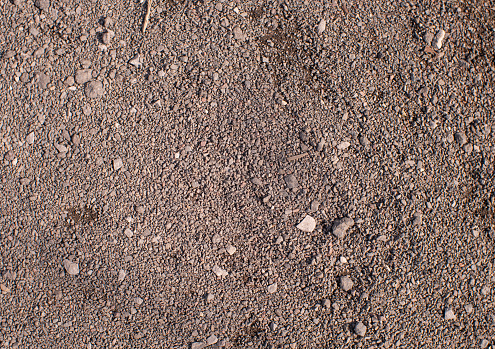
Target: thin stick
pixel 147 16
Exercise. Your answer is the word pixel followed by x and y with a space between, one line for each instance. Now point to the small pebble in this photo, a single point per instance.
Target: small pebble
pixel 94 89
pixel 449 314
pixel 231 249
pixel 211 340
pixel 417 219
pixel 197 345
pixel 308 224
pixel 346 283
pixel 4 289
pixel 322 26
pixel 238 34
pixel 219 271
pixel 83 76
pixel 360 329
pixel 71 267
pixel 460 138
pixel 341 226
pixel 343 145
pixel 291 181
pixel 272 288
pixel 140 209
pixel 42 4
pixel 138 300
pixel 117 164
pixel 257 181
pixel 30 138
pixel 136 61
pixel 128 232
pixel 122 275
pixel 438 39
pixel 210 297
pixel 107 37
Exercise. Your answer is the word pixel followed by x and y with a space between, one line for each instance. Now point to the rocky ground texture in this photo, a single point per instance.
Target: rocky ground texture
pixel 247 174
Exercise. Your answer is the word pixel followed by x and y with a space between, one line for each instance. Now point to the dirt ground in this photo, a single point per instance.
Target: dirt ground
pixel 247 174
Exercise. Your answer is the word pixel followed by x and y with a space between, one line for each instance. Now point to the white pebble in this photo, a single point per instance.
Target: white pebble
pixel 322 26
pixel 231 249
pixel 219 271
pixel 122 275
pixel 308 224
pixel 438 39
pixel 272 288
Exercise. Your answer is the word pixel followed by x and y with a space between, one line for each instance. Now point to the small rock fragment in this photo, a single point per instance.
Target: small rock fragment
pixel 4 289
pixel 428 38
pixel 107 37
pixel 417 219
pixel 484 343
pixel 272 288
pixel 117 164
pixel 128 232
pixel 315 205
pixel 326 303
pixel 219 271
pixel 238 34
pixel 291 181
pixel 61 148
pixel 42 4
pixel 76 139
pixel 438 39
pixel 122 274
pixel 469 308
pixel 138 300
pixel 360 329
pixel 211 340
pixel 197 345
pixel 43 80
pixel 216 239
pixel 343 145
pixel 70 267
pixel 94 89
pixel 83 76
pixel 136 61
pixel 256 181
pixel 140 209
pixel 449 314
pixel 322 26
pixel 30 138
pixel 364 141
pixel 231 249
pixel 341 226
pixel 308 224
pixel 460 138
pixel 346 283
pixel 210 297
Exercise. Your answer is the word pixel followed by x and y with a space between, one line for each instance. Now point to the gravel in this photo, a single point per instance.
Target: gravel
pixel 181 163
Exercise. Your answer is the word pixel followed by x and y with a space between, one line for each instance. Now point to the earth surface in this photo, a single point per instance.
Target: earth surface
pixel 247 174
